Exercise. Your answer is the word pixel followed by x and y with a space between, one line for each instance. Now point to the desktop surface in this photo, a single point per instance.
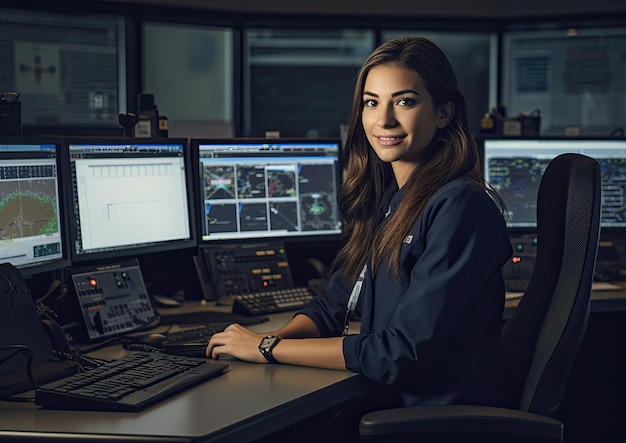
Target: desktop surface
pixel 247 402
pixel 605 297
pixel 226 408
pixel 222 409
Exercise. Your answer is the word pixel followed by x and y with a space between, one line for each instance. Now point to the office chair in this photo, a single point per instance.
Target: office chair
pixel 541 338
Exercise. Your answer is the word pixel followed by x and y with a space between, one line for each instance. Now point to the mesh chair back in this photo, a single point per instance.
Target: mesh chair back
pixel 541 338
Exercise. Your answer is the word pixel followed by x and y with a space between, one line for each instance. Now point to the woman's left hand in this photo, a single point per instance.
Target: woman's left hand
pixel 237 342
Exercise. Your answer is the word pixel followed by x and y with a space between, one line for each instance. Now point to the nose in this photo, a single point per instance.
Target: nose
pixel 386 118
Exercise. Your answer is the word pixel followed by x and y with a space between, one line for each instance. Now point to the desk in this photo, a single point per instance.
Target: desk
pixel 601 301
pixel 250 401
pixel 246 403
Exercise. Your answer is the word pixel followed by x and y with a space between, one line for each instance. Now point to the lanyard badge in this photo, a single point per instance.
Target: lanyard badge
pixel 356 291
pixel 354 298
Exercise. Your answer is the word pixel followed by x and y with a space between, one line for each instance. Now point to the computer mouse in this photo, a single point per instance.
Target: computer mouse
pixel 152 339
pixel 165 302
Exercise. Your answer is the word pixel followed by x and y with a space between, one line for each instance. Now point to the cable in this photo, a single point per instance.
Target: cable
pixel 58 289
pixel 55 284
pixel 142 347
pixel 84 363
pixel 103 344
pixel 71 325
pixel 24 350
pixel 10 290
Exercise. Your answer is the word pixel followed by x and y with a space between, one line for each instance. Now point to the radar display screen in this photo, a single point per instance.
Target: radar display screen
pixel 514 167
pixel 254 188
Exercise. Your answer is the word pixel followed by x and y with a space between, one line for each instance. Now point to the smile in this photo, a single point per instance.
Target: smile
pixel 388 141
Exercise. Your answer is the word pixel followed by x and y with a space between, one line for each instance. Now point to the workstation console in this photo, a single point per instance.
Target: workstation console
pixel 514 167
pixel 108 206
pixel 261 203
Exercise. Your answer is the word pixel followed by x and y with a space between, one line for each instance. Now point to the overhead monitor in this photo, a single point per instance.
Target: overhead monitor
pixel 268 188
pixel 32 229
pixel 515 167
pixel 129 196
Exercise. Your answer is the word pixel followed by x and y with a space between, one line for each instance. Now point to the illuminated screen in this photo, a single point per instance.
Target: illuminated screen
pixel 260 188
pixel 515 166
pixel 129 196
pixel 31 219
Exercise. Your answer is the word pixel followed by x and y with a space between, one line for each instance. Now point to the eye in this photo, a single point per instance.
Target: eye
pixel 369 103
pixel 405 102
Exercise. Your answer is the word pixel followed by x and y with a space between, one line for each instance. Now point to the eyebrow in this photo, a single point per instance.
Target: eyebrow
pixel 395 94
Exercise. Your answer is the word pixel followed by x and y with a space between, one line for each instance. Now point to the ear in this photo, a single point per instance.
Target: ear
pixel 446 113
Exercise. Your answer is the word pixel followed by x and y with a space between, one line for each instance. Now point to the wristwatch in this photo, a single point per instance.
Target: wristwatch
pixel 266 346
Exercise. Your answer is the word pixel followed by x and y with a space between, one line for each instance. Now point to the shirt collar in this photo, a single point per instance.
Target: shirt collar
pixel 395 200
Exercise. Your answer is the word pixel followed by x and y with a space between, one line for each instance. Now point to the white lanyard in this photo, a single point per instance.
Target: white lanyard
pixel 356 291
pixel 354 298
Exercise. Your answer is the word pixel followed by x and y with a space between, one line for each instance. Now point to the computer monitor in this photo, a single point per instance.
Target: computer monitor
pixel 515 166
pixel 33 235
pixel 129 196
pixel 283 188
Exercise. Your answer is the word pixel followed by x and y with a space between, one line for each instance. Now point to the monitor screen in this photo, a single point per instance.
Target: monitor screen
pixel 515 166
pixel 129 196
pixel 262 188
pixel 32 230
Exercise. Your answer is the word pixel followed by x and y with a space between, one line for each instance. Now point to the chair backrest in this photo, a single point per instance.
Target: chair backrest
pixel 541 338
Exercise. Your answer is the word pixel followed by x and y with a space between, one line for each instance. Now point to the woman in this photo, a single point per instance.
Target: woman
pixel 424 242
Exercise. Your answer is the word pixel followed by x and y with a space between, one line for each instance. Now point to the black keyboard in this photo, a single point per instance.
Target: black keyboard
pixel 190 342
pixel 203 333
pixel 272 301
pixel 205 317
pixel 130 384
pixel 197 334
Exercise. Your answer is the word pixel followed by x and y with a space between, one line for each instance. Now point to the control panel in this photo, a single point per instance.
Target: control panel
pixel 610 263
pixel 517 270
pixel 113 299
pixel 246 268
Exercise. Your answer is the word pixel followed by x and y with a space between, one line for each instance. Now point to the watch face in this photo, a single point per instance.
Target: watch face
pixel 266 346
pixel 267 341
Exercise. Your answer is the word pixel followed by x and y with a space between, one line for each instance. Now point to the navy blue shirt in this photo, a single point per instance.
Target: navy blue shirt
pixel 431 336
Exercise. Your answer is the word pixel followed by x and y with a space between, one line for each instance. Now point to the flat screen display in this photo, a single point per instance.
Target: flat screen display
pixel 129 196
pixel 515 166
pixel 267 188
pixel 32 230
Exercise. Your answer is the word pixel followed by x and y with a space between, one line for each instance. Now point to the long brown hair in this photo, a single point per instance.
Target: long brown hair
pixel 453 152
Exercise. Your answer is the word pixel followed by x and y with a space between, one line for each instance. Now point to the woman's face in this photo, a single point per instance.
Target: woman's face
pixel 399 117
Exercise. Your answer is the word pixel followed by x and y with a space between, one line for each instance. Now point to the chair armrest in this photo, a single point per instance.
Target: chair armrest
pixel 458 423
